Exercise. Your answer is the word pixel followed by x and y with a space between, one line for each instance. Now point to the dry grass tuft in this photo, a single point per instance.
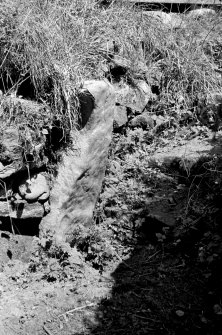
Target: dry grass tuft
pixel 56 45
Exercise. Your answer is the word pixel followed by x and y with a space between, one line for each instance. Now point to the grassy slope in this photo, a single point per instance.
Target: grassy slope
pixel 60 44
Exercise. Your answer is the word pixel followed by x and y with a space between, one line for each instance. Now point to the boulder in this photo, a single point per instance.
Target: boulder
pixel 135 98
pixel 21 210
pixel 80 175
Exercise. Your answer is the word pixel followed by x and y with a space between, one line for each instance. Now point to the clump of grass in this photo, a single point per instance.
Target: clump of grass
pixel 183 61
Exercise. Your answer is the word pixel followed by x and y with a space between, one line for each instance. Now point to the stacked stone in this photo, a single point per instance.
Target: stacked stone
pixel 24 192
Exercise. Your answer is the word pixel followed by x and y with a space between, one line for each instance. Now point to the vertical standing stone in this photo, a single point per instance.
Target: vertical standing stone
pixel 80 177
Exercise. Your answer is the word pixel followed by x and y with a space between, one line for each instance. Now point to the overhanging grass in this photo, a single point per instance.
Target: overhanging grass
pixel 60 44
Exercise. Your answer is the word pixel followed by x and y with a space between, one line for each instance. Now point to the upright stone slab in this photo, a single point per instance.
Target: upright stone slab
pixel 81 174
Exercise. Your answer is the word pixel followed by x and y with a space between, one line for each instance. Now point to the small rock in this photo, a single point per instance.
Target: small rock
pixel 217 309
pixel 180 313
pixel 120 116
pixel 46 206
pixel 34 189
pixel 75 257
pixel 108 252
pixel 203 319
pixel 121 62
pixel 144 121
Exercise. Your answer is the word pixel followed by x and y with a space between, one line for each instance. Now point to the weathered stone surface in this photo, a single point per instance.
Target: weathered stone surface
pixel 35 188
pixel 81 174
pixel 120 116
pixel 164 211
pixel 21 210
pixel 135 98
pixel 186 155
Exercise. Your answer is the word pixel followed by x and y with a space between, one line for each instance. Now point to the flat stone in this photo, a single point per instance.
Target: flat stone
pixel 163 212
pixel 21 210
pixel 188 154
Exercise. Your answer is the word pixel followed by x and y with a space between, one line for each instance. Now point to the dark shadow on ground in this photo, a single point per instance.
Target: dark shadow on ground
pixel 163 288
pixel 27 227
pixel 158 293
